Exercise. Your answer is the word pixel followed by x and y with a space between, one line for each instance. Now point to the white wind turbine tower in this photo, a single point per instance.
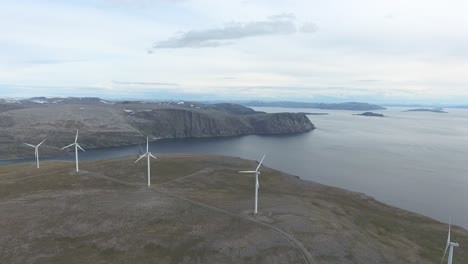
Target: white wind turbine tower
pixel 77 146
pixel 257 185
pixel 148 155
pixel 36 151
pixel 450 245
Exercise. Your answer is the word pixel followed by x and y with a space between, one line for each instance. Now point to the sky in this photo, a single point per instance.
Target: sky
pixel 395 51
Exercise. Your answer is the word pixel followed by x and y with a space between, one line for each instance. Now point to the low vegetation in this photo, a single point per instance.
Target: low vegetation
pixel 199 210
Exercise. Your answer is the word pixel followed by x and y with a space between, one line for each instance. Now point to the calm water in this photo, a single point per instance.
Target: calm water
pixel 416 161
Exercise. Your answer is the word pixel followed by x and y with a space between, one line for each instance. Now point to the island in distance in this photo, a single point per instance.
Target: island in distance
pixel 433 110
pixel 370 114
pixel 117 123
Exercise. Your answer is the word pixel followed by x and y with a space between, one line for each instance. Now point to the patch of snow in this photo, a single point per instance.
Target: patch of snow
pixel 129 111
pixel 39 101
pixel 191 105
pixel 180 103
pixel 105 102
pixel 10 100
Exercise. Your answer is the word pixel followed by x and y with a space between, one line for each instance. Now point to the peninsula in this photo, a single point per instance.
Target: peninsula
pixel 116 123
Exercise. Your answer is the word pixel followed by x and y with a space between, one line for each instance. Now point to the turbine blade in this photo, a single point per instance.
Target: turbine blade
pixel 445 252
pixel 42 142
pixel 80 147
pixel 68 146
pixel 30 145
pixel 450 227
pixel 142 156
pixel 260 164
pixel 147 144
pixel 247 172
pixel 151 155
pixel 76 138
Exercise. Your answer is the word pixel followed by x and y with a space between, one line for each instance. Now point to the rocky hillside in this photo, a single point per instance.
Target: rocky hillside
pixel 106 124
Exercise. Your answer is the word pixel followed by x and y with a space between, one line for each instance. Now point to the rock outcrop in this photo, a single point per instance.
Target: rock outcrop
pixel 280 123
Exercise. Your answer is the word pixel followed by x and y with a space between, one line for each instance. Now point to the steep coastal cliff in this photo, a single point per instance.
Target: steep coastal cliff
pixel 182 123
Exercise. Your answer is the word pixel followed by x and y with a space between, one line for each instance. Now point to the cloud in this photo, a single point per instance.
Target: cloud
pixel 282 24
pixel 146 83
pixel 50 61
pixel 140 4
pixel 286 16
pixel 369 80
pixel 309 28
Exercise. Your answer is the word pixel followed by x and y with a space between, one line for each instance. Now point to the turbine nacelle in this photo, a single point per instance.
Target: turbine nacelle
pixel 145 155
pixel 250 172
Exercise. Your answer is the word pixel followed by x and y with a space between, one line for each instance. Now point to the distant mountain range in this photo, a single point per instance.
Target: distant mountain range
pixel 354 106
pixel 462 106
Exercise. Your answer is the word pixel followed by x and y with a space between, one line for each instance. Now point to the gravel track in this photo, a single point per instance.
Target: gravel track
pixel 291 239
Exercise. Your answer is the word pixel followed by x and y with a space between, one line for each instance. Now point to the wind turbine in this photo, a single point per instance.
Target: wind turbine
pixel 450 245
pixel 77 146
pixel 36 151
pixel 257 185
pixel 148 155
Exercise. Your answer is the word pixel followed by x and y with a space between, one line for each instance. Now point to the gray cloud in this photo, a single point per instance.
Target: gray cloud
pixel 146 83
pixel 309 28
pixel 282 24
pixel 287 16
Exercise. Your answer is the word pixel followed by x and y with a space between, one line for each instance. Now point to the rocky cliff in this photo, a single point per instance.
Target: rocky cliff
pixel 280 123
pixel 183 123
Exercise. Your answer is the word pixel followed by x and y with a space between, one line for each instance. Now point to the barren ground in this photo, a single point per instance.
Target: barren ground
pixel 199 210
